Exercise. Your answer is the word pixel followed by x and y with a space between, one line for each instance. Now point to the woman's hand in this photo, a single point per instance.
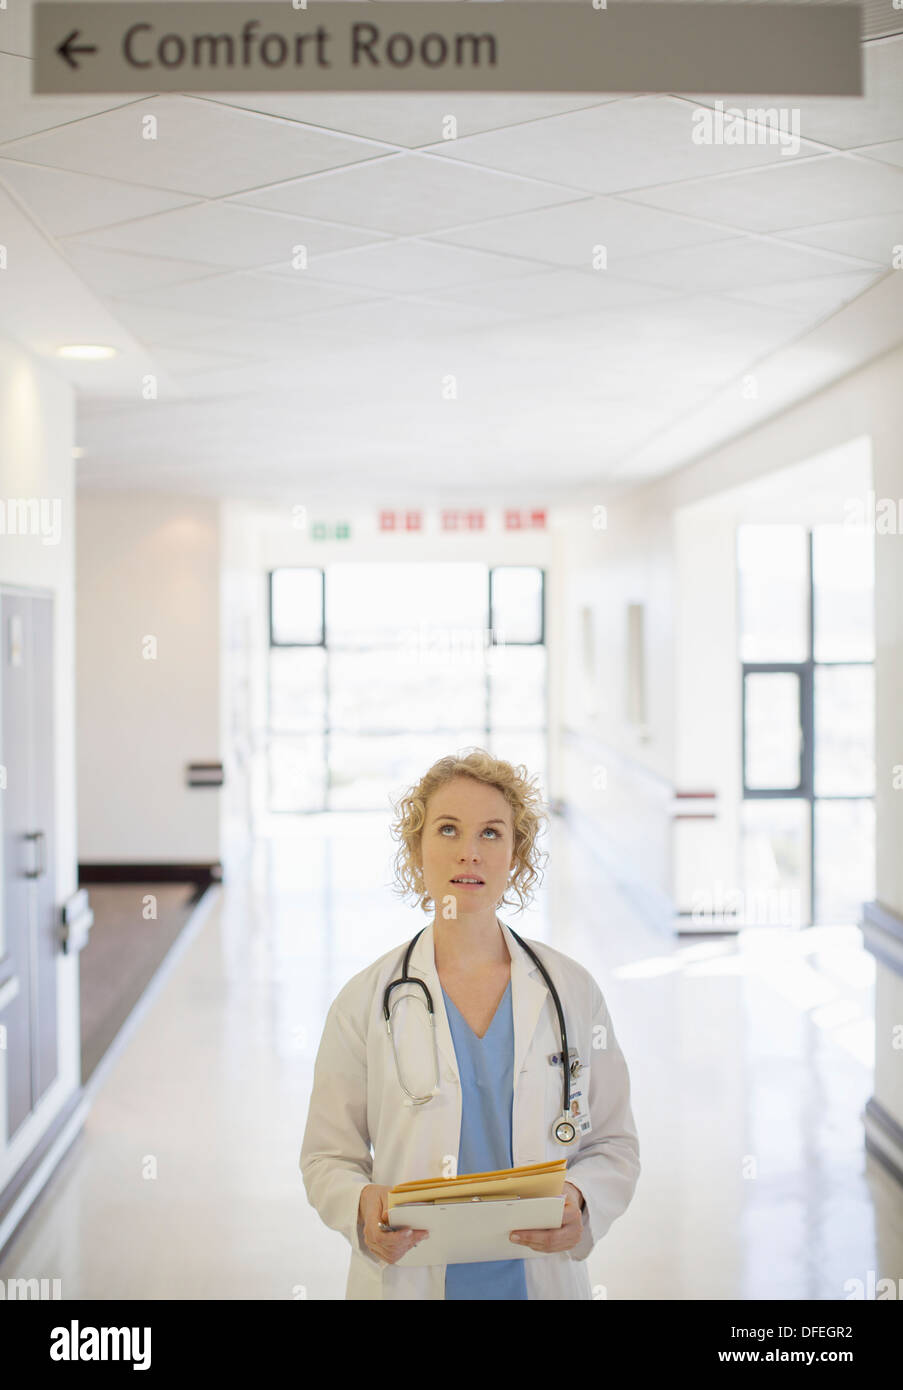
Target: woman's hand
pixel 563 1237
pixel 385 1245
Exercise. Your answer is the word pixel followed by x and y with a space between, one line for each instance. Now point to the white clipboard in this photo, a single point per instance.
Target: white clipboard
pixel 474 1231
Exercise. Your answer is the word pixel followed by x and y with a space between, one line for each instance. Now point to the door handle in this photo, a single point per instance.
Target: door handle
pixel 40 840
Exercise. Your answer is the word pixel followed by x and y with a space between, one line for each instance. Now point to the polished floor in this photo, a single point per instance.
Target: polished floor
pixel 750 1063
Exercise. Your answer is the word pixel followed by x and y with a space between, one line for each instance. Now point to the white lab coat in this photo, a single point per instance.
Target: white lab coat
pixel 357 1101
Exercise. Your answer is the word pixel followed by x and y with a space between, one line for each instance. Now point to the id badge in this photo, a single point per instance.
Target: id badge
pixel 579 1098
pixel 578 1110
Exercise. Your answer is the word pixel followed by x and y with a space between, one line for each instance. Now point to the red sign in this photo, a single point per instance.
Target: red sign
pixel 463 521
pixel 400 521
pixel 524 520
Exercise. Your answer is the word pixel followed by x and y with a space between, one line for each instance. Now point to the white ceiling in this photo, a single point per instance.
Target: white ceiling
pixel 432 260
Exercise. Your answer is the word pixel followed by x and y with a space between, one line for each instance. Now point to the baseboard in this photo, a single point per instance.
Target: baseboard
pixel 201 875
pixel 884 1138
pixel 882 934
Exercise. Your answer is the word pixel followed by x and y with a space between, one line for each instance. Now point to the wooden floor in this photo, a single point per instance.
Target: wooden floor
pixel 124 949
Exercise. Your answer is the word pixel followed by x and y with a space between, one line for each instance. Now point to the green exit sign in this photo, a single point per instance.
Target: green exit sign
pixel 330 530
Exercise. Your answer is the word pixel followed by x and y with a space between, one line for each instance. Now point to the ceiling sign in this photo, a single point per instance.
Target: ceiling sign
pixel 474 520
pixel 524 521
pixel 401 521
pixel 566 46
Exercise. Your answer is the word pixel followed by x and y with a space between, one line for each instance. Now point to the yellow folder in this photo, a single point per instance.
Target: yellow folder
pixel 531 1180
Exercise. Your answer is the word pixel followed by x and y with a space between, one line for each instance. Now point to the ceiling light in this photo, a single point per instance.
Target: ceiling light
pixel 85 351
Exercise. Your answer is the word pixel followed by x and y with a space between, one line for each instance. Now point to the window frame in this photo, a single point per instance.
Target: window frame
pixel 329 729
pixel 805 669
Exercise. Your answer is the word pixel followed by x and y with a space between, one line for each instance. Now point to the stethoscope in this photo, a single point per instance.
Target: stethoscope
pixel 564 1131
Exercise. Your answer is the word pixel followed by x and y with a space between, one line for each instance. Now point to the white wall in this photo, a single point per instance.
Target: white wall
pixel 243 599
pixel 37 421
pixel 707 702
pixel 148 567
pixel 617 776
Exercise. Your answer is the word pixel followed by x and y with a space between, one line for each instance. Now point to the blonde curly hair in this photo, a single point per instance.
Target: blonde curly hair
pixel 518 789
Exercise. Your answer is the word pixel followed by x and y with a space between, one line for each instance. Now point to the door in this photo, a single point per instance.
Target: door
pixel 29 939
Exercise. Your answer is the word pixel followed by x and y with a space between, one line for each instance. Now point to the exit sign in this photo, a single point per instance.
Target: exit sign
pixel 330 530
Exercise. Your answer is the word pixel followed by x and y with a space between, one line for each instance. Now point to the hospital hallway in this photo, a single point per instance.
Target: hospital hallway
pixel 739 1047
pixel 457 492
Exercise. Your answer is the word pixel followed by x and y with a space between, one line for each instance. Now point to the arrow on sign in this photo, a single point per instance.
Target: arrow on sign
pixel 66 49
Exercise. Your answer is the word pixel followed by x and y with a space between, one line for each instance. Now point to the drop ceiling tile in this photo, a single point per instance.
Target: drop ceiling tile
pixel 676 328
pixel 153 325
pixel 634 143
pixel 401 118
pixel 370 327
pixel 889 151
pixel 65 204
pixel 844 122
pixel 200 148
pixel 408 194
pixel 812 298
pixel 16 33
pixel 406 267
pixel 825 189
pixel 23 114
pixel 265 341
pixel 44 304
pixel 227 234
pixel 249 295
pixel 182 362
pixel 569 234
pixel 702 336
pixel 554 292
pixel 869 238
pixel 730 265
pixel 113 272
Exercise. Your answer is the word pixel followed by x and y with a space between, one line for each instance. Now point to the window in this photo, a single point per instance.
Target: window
pixel 377 670
pixel 807 654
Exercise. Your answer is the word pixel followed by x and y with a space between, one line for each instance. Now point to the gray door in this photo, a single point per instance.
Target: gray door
pixel 28 934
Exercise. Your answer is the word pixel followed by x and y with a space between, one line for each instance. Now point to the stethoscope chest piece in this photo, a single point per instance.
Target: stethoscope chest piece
pixel 563 1131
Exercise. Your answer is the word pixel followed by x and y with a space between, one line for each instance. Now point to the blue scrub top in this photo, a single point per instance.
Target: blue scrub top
pixel 486 1067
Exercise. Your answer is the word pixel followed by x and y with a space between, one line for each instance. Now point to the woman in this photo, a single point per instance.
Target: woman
pixel 467 835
